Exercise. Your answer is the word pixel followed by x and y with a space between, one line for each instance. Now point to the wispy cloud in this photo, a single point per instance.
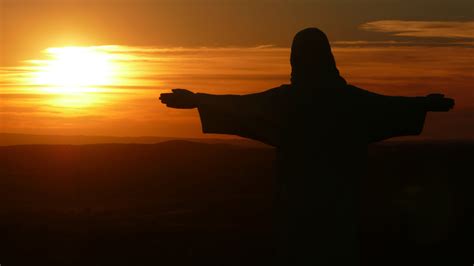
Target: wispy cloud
pixel 407 28
pixel 153 67
pixel 385 67
pixel 371 43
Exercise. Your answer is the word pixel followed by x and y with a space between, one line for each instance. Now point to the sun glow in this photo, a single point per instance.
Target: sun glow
pixel 74 69
pixel 74 76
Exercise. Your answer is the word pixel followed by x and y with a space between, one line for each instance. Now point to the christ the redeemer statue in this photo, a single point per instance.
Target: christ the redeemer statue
pixel 320 126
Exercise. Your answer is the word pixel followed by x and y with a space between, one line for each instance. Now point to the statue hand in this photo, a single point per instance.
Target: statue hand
pixel 438 103
pixel 179 98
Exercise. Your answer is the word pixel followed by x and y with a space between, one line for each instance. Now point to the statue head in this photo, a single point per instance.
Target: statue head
pixel 311 58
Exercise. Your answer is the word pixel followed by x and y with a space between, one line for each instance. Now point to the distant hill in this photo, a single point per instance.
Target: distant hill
pixel 7 139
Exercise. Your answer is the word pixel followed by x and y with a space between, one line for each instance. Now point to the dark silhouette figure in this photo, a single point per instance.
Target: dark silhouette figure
pixel 321 127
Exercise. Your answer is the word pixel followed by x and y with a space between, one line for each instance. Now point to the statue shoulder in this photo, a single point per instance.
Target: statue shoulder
pixel 282 89
pixel 356 91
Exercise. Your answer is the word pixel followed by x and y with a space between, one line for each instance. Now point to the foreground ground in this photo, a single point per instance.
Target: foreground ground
pixel 187 203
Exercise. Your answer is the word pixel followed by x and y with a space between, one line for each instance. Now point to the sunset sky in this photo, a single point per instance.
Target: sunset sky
pixel 97 67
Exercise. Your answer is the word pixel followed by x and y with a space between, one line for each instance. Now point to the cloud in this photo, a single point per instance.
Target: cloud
pixel 383 67
pixel 366 43
pixel 407 28
pixel 155 67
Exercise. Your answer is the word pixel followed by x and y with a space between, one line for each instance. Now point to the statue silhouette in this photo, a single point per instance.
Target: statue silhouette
pixel 320 126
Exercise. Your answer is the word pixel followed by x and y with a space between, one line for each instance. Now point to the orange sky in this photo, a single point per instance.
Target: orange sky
pixel 386 53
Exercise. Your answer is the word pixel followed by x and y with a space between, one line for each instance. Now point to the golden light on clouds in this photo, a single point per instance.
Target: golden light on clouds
pixel 113 90
pixel 407 28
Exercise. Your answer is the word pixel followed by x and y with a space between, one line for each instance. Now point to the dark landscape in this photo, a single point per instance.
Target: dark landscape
pixel 192 203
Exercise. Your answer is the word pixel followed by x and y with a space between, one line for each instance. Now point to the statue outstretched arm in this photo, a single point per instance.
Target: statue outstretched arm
pixel 395 116
pixel 185 99
pixel 435 102
pixel 251 116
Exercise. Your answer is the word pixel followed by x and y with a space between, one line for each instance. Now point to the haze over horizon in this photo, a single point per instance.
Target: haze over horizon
pixel 97 67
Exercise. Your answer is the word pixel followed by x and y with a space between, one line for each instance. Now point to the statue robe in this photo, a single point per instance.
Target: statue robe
pixel 321 138
pixel 262 116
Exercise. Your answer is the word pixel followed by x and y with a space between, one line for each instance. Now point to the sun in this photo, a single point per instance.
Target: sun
pixel 73 69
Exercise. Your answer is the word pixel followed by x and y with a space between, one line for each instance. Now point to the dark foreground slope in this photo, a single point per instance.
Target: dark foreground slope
pixel 185 203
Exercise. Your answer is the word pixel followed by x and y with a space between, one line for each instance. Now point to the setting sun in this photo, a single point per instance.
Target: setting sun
pixel 74 70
